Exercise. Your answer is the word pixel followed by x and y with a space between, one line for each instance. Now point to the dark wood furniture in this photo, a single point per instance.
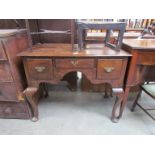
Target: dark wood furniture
pixel 108 26
pixel 149 89
pixel 58 30
pixel 12 79
pixel 49 63
pixel 141 67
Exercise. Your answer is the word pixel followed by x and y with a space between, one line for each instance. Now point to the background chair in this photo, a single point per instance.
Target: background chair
pixel 149 89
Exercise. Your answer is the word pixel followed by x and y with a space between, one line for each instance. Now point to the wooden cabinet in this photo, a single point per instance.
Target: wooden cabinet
pixel 12 79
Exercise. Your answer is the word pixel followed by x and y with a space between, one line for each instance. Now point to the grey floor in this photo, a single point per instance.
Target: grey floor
pixel 65 112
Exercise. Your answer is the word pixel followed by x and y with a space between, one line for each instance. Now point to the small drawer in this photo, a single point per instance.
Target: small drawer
pixel 5 73
pixel 39 69
pixel 2 52
pixel 8 92
pixel 109 69
pixel 74 63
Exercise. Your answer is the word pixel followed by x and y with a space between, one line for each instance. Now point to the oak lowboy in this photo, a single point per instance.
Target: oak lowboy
pixel 49 63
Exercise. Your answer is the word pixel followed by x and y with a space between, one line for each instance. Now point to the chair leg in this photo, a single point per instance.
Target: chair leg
pixel 146 111
pixel 136 100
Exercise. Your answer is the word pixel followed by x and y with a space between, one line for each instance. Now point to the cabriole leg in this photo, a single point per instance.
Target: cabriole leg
pixel 125 97
pixel 116 111
pixel 30 96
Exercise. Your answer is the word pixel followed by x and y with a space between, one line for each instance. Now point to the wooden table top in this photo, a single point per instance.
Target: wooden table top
pixel 64 50
pixel 140 43
pixel 10 32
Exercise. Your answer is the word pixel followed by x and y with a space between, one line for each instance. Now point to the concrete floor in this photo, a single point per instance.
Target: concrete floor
pixel 66 112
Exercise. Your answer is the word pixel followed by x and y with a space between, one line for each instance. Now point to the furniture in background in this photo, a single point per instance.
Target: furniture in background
pixel 132 24
pixel 108 26
pixel 149 89
pixel 12 78
pixel 46 31
pixel 141 67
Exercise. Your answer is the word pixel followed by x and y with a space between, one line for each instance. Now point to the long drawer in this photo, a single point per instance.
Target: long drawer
pixel 68 63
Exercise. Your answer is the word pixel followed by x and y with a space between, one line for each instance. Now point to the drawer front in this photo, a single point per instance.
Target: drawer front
pixel 2 52
pixel 39 69
pixel 5 74
pixel 8 92
pixel 75 63
pixel 109 69
pixel 147 58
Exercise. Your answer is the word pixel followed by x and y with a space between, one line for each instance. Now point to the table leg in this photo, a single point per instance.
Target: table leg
pixel 29 93
pixel 124 101
pixel 116 111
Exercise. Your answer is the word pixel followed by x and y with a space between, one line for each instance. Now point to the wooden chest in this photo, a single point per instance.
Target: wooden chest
pixel 12 79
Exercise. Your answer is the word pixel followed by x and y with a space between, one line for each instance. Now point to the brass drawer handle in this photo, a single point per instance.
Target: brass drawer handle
pixel 74 62
pixel 109 69
pixel 40 69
